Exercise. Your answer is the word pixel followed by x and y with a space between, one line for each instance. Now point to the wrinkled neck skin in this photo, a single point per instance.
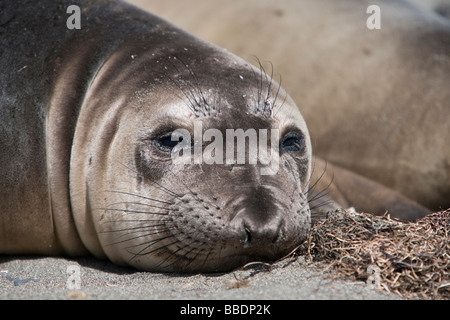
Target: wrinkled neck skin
pixel 126 199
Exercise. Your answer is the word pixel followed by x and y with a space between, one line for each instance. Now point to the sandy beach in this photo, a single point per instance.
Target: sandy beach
pixel 46 278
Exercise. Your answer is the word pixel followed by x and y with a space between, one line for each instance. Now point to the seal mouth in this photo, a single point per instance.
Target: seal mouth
pixel 229 256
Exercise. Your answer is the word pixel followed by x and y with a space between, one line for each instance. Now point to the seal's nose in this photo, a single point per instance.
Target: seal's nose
pixel 259 231
pixel 259 228
pixel 259 219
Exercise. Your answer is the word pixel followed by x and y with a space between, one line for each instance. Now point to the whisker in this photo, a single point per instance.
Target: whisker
pixel 257 87
pixel 311 188
pixel 321 191
pixel 185 83
pixel 269 85
pixel 322 204
pixel 130 231
pixel 139 220
pixel 207 256
pixel 154 250
pixel 192 192
pixel 140 236
pixel 209 189
pixel 173 254
pixel 153 241
pixel 260 82
pixel 140 196
pixel 191 105
pixel 139 204
pixel 282 104
pixel 313 169
pixel 278 90
pixel 161 187
pixel 134 228
pixel 195 79
pixel 262 71
pixel 319 195
pixel 193 258
pixel 137 211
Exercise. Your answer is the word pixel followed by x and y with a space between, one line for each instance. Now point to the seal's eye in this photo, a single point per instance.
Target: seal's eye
pixel 293 142
pixel 165 142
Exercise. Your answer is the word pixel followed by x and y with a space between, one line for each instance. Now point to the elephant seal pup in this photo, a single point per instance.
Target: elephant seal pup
pixel 86 123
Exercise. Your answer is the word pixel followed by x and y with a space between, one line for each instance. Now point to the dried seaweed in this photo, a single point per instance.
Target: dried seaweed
pixel 403 257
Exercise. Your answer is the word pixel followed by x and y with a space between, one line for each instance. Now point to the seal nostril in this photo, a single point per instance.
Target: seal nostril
pixel 248 238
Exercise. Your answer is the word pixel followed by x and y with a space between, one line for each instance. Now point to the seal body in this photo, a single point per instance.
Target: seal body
pixel 376 100
pixel 86 163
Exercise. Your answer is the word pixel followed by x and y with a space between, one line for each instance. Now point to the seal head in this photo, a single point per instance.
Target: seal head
pixel 147 211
